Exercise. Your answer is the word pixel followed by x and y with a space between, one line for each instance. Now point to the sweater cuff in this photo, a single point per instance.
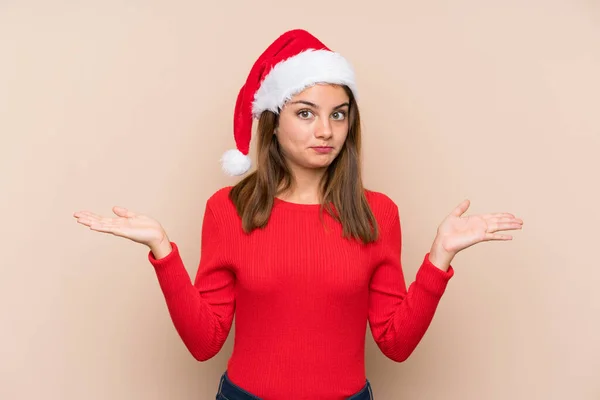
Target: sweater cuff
pixel 433 279
pixel 166 259
pixel 170 271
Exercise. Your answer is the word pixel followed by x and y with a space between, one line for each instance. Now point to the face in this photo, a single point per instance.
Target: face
pixel 313 127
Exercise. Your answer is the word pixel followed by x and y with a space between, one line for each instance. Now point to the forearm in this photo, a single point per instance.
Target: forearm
pixel 406 328
pixel 198 326
pixel 400 318
pixel 202 326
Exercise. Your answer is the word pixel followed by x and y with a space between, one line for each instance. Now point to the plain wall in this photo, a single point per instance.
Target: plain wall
pixel 130 103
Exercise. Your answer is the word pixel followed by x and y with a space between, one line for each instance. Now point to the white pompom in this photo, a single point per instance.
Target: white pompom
pixel 234 162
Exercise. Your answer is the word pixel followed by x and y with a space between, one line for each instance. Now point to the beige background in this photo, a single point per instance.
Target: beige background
pixel 130 103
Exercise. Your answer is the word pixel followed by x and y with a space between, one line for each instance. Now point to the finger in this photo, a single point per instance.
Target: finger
pixel 84 221
pixel 105 228
pixel 461 208
pixel 498 215
pixel 123 212
pixel 497 236
pixel 86 214
pixel 505 219
pixel 512 220
pixel 110 221
pixel 503 226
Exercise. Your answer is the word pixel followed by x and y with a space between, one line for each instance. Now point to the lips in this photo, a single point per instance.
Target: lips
pixel 322 149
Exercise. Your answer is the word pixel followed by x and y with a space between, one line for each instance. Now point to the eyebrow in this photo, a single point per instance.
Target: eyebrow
pixel 308 103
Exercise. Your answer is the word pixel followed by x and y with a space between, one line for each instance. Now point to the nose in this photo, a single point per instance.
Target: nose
pixel 323 129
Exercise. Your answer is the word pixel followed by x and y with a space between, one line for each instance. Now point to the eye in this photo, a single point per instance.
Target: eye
pixel 339 115
pixel 304 114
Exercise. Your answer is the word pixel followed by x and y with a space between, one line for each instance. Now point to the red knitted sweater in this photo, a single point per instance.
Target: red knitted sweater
pixel 302 296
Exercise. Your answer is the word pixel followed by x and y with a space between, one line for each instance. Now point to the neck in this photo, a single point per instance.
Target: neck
pixel 305 187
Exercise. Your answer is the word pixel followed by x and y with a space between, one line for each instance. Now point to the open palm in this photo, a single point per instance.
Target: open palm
pixel 458 232
pixel 136 227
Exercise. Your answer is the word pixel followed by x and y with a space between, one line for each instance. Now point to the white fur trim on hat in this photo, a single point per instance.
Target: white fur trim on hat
pixel 295 74
pixel 234 162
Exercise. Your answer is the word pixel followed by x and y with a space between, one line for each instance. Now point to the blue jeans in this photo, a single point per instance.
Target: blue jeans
pixel 229 391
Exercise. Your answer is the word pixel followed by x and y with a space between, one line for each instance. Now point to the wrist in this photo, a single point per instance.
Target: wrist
pixel 161 248
pixel 439 257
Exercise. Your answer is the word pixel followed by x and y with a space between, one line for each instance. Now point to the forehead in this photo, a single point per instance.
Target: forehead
pixel 323 94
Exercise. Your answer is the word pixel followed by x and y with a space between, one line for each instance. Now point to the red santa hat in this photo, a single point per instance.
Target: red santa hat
pixel 293 62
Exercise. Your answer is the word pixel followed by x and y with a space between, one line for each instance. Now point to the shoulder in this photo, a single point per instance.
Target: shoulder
pixel 384 209
pixel 220 196
pixel 219 202
pixel 379 201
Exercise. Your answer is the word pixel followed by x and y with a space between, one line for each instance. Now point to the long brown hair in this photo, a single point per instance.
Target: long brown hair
pixel 341 186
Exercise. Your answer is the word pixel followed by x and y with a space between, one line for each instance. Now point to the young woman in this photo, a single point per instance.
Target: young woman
pixel 299 250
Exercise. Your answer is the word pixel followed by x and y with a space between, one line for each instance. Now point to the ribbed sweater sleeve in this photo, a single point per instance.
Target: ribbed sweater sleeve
pixel 202 312
pixel 399 317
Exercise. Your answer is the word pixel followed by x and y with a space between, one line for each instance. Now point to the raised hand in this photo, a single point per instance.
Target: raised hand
pixel 136 227
pixel 458 232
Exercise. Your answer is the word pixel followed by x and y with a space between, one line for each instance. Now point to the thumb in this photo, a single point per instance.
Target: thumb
pixel 123 212
pixel 461 208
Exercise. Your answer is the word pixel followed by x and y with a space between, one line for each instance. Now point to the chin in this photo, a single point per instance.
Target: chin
pixel 316 163
pixel 320 165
